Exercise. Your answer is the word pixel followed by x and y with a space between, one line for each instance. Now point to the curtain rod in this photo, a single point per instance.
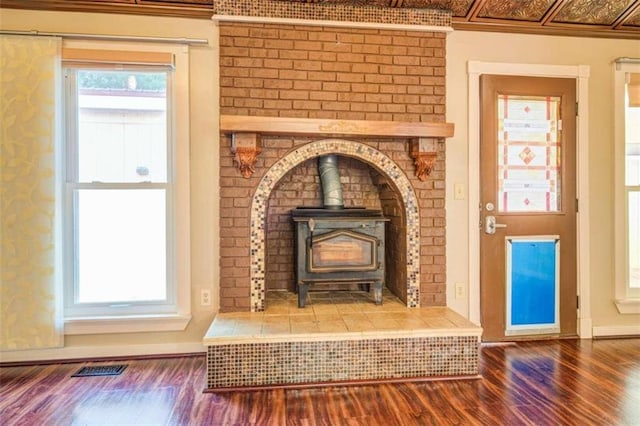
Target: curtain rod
pixel 190 41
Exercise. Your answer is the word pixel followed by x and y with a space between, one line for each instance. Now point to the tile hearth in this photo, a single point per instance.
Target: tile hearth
pixel 339 337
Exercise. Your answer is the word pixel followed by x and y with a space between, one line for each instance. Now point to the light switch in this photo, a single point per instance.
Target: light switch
pixel 459 290
pixel 458 191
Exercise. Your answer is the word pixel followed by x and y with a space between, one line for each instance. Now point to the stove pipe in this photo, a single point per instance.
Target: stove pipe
pixel 330 179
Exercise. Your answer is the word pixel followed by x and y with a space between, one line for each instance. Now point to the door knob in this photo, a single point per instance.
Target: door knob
pixel 490 225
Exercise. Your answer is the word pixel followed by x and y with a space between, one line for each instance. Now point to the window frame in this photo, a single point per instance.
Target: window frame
pixel 175 314
pixel 627 299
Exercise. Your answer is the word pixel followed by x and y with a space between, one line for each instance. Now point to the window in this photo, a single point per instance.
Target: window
pixel 125 199
pixel 627 186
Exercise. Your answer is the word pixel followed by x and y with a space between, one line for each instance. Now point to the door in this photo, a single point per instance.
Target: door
pixel 528 207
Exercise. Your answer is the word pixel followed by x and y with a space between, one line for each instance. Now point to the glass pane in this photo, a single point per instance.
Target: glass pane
pixel 122 126
pixel 634 238
pixel 632 175
pixel 343 251
pixel 529 162
pixel 121 245
pixel 632 130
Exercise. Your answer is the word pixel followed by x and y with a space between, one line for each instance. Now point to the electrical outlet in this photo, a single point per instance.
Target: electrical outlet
pixel 459 289
pixel 205 297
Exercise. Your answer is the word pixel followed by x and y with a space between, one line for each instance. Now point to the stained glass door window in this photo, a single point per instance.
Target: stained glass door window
pixel 529 154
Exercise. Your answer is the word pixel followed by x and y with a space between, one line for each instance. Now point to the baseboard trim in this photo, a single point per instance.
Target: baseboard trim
pixel 618 330
pixel 80 353
pixel 585 328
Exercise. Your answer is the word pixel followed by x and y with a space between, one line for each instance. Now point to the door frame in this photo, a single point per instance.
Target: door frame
pixel 581 74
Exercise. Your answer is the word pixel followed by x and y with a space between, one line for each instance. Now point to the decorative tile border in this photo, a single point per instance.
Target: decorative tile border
pixel 297 362
pixel 374 158
pixel 334 12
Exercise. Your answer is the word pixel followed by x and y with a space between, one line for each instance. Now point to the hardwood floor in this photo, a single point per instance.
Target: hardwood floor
pixel 566 382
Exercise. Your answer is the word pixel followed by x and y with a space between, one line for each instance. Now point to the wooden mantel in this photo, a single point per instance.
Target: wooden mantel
pixel 328 127
pixel 246 131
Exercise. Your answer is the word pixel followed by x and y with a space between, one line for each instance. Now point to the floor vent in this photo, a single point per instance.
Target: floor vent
pixel 100 370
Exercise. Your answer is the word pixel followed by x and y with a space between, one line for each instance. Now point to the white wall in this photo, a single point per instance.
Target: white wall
pixel 204 129
pixel 461 47
pixel 598 54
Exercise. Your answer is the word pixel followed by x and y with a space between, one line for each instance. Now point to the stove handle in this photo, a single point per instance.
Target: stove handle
pixel 312 226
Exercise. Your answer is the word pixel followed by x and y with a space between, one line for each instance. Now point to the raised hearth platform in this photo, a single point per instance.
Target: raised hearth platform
pixel 340 337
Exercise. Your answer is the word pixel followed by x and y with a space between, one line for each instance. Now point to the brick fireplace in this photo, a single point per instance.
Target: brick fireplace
pixel 274 70
pixel 374 98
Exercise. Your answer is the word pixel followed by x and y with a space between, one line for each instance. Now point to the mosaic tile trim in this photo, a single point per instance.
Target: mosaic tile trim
pixel 263 364
pixel 334 12
pixel 375 158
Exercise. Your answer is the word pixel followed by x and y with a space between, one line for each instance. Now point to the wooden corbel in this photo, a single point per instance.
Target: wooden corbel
pixel 247 130
pixel 424 152
pixel 245 147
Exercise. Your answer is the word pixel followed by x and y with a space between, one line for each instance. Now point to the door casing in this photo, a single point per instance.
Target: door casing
pixel 555 224
pixel 581 74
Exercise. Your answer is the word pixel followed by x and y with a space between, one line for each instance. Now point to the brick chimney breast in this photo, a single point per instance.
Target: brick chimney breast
pixel 277 70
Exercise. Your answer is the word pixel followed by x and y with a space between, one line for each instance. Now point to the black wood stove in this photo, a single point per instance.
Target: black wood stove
pixel 339 246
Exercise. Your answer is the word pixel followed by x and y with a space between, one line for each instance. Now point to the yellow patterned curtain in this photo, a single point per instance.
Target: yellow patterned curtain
pixel 30 293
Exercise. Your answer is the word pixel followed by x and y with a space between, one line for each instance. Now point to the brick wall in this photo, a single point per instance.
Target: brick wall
pixel 338 73
pixel 396 258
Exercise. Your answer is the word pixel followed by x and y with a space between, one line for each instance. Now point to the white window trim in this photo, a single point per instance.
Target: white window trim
pixel 627 300
pixel 125 324
pixel 175 321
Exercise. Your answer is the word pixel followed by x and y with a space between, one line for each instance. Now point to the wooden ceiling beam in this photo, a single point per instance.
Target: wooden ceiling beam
pixel 631 10
pixel 475 8
pixel 553 11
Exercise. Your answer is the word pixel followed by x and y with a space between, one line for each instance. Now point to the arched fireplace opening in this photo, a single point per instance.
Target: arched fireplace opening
pixel 370 179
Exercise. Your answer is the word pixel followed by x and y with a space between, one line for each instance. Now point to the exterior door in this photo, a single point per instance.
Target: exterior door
pixel 528 207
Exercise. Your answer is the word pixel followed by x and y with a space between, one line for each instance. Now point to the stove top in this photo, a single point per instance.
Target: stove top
pixel 346 212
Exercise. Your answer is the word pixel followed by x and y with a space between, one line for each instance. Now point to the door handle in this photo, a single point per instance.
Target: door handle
pixel 490 225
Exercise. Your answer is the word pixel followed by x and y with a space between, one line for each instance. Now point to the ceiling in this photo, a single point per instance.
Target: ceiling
pixel 587 18
pixel 599 18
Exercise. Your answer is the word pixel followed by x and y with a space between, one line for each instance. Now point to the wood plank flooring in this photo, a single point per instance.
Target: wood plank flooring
pixel 566 382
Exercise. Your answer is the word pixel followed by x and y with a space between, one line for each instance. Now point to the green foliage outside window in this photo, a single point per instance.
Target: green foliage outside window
pixel 123 80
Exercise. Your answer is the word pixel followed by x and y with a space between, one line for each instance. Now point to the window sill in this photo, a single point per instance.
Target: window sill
pixel 125 324
pixel 628 306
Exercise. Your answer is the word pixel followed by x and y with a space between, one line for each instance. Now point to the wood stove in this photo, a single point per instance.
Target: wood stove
pixel 339 246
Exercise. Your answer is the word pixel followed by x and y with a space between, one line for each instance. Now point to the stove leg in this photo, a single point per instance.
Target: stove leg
pixel 302 294
pixel 377 292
